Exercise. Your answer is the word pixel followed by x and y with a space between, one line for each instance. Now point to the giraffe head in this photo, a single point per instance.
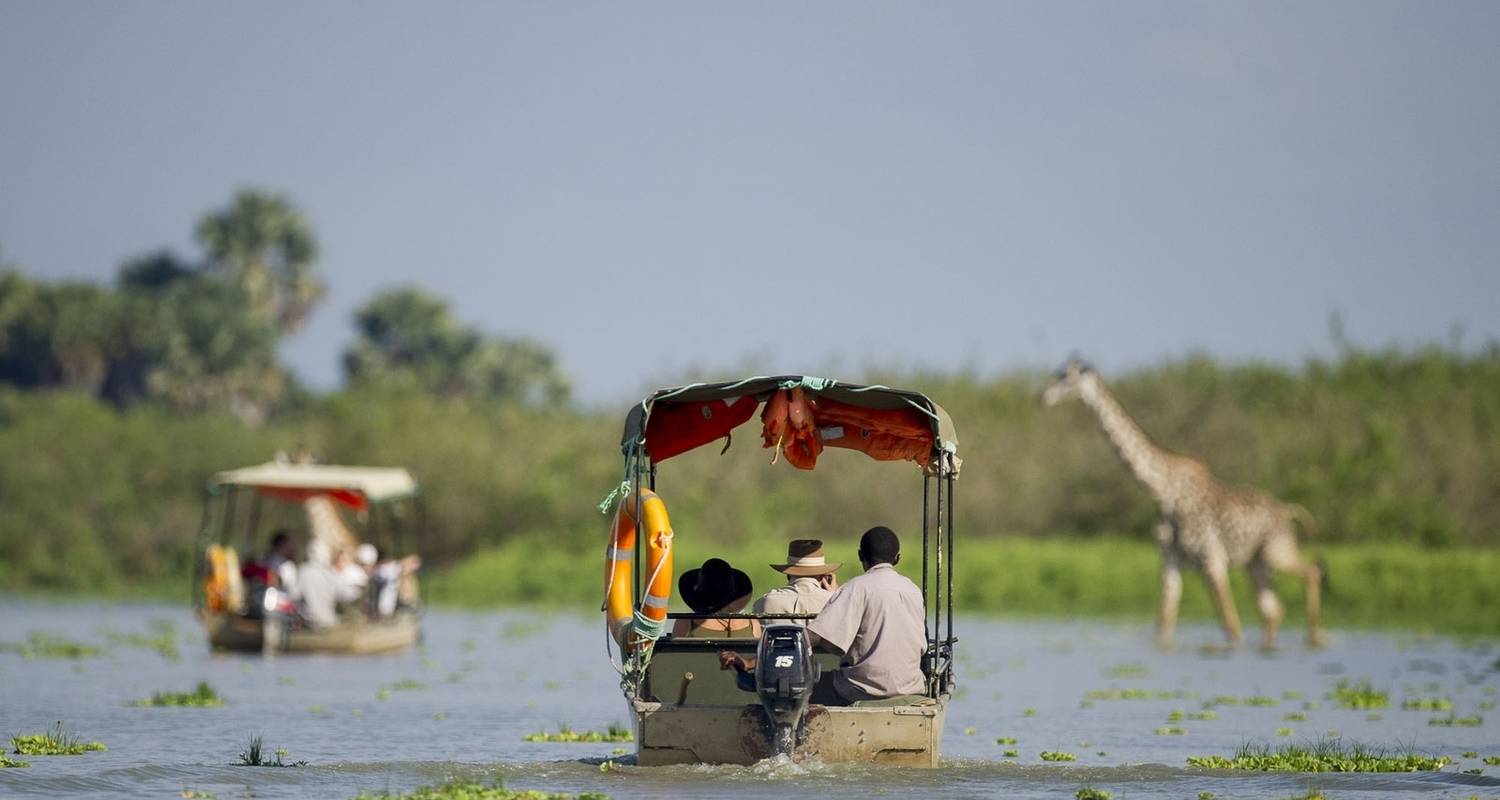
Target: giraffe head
pixel 1066 382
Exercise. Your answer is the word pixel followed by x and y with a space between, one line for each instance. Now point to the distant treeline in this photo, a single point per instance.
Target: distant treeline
pixel 1398 446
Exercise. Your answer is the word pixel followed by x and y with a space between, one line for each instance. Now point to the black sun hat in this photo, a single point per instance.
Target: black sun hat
pixel 713 586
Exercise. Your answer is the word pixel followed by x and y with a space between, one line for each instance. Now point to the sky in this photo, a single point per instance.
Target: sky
pixel 658 189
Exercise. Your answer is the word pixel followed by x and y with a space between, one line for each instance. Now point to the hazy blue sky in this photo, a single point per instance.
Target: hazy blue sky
pixel 651 187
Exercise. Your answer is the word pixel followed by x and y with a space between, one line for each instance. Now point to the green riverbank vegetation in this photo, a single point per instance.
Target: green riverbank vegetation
pixel 118 401
pixel 254 755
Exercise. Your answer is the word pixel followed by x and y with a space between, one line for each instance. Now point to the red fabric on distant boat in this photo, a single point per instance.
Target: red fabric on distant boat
pixel 354 500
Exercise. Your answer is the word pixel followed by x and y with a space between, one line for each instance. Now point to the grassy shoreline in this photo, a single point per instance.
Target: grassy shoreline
pixel 1388 586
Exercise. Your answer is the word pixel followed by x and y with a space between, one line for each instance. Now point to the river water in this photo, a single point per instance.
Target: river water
pixel 460 705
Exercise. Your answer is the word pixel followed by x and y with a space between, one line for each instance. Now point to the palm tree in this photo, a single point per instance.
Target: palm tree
pixel 263 243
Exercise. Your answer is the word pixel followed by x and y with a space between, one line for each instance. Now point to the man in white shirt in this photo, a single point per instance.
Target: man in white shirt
pixel 810 581
pixel 878 623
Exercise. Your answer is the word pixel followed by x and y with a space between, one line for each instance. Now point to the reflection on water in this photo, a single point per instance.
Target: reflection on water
pixel 461 704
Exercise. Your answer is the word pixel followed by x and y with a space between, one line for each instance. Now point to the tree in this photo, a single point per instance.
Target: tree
pixel 264 244
pixel 408 339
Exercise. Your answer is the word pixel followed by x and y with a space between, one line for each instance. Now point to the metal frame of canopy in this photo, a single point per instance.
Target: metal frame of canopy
pixel 938 476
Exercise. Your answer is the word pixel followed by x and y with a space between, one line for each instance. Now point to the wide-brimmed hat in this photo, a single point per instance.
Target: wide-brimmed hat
pixel 713 586
pixel 804 557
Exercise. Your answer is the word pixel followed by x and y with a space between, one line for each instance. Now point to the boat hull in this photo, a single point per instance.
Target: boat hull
pixel 355 637
pixel 908 735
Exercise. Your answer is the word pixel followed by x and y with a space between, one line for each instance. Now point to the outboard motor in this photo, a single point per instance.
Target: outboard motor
pixel 785 674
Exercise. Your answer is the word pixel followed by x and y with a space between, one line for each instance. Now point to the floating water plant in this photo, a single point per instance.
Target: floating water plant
pixel 1030 712
pixel 1090 793
pixel 1171 730
pixel 6 762
pixel 1294 716
pixel 202 696
pixel 1329 755
pixel 1011 754
pixel 407 685
pixel 1283 731
pixel 1427 704
pixel 55 742
pixel 254 756
pixel 1139 694
pixel 41 644
pixel 1175 716
pixel 1130 670
pixel 1057 755
pixel 1452 721
pixel 198 794
pixel 1493 761
pixel 1203 715
pixel 472 790
pixel 1006 740
pixel 970 730
pixel 162 639
pixel 615 733
pixel 1253 700
pixel 1359 695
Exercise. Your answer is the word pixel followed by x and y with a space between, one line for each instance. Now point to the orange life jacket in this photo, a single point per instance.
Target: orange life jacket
pixel 676 428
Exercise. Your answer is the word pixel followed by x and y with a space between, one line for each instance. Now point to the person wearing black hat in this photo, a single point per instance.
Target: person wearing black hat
pixel 715 587
pixel 810 581
pixel 877 621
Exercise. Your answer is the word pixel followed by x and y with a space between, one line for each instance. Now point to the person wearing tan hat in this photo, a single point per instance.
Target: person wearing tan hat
pixel 810 581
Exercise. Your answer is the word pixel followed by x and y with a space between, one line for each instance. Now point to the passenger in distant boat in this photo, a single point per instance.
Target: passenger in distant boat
pixel 352 578
pixel 810 581
pixel 715 587
pixel 279 567
pixel 318 587
pixel 876 621
pixel 394 583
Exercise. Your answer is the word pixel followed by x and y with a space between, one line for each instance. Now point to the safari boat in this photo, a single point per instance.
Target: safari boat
pixel 241 614
pixel 684 709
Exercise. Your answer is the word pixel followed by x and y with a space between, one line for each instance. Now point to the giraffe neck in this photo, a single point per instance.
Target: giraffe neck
pixel 1146 461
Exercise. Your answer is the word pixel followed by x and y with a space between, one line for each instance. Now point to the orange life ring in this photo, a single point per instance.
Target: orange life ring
pixel 619 559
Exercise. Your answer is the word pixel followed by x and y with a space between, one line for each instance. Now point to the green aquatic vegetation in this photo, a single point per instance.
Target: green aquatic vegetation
pixel 615 733
pixel 440 716
pixel 1129 670
pixel 1006 740
pixel 1359 695
pixel 162 637
pixel 55 742
pixel 202 696
pixel 1452 721
pixel 6 762
pixel 316 710
pixel 1057 755
pixel 1139 694
pixel 473 790
pixel 1328 755
pixel 1175 716
pixel 1427 704
pixel 1283 731
pixel 198 794
pixel 383 694
pixel 1258 700
pixel 1011 754
pixel 970 730
pixel 1206 714
pixel 1310 794
pixel 1493 761
pixel 1207 796
pixel 1470 754
pixel 1294 716
pixel 42 644
pixel 1488 705
pixel 1090 793
pixel 1030 712
pixel 1291 694
pixel 254 755
pixel 1171 730
pixel 407 685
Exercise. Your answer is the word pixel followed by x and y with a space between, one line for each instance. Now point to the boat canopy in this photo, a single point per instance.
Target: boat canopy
pixel 353 486
pixel 802 414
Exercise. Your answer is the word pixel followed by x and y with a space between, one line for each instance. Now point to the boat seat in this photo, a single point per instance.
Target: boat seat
pixel 677 656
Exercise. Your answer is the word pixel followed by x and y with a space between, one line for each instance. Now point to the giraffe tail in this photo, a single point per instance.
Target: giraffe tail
pixel 1304 518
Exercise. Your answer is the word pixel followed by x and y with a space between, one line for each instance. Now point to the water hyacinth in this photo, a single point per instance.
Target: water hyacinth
pixel 55 742
pixel 1057 755
pixel 202 696
pixel 1359 695
pixel 472 790
pixel 615 733
pixel 1329 755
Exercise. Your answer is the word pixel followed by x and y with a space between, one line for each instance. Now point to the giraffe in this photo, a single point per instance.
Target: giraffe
pixel 1204 523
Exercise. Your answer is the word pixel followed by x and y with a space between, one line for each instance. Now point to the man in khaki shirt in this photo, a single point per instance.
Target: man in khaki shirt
pixel 811 579
pixel 876 621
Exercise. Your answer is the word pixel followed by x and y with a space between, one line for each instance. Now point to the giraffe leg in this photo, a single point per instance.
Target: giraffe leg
pixel 1216 574
pixel 1171 595
pixel 1265 599
pixel 1283 556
